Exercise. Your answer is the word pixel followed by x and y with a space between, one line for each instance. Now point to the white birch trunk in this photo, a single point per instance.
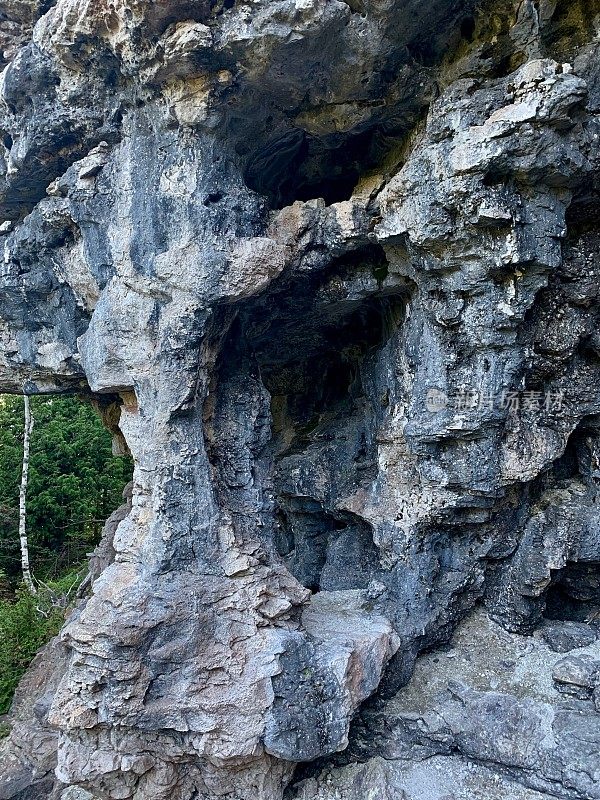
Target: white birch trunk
pixel 23 500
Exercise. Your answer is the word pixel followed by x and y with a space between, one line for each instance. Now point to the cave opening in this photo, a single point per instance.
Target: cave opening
pixel 311 339
pixel 298 166
pixel 574 590
pixel 317 344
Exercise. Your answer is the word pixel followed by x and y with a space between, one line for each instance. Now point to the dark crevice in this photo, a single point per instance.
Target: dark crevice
pixel 311 540
pixel 525 586
pixel 422 52
pixel 584 210
pixel 298 166
pixel 212 198
pixel 467 28
pixel 575 593
pixel 46 5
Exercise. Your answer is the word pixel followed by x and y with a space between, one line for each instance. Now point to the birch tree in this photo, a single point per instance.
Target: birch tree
pixel 23 499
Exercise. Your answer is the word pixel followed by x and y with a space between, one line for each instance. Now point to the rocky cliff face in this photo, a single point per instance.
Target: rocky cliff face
pixel 330 271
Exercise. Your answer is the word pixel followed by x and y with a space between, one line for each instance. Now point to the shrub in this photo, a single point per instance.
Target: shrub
pixel 26 624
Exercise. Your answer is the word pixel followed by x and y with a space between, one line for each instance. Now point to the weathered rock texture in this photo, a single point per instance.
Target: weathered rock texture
pixel 330 271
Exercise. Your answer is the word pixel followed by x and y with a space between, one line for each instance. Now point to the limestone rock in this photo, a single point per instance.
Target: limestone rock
pixel 329 272
pixel 482 719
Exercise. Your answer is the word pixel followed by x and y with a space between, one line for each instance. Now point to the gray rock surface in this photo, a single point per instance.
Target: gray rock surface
pixel 329 271
pixel 563 636
pixel 438 778
pixel 29 752
pixel 482 718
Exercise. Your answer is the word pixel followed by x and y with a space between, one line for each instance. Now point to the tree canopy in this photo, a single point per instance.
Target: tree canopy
pixel 75 483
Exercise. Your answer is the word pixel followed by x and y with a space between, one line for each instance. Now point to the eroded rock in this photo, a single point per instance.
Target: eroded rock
pixel 329 272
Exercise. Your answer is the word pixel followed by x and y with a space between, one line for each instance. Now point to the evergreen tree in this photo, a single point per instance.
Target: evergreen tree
pixel 74 482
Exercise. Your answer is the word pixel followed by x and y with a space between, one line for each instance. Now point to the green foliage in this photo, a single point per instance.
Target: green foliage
pixel 26 624
pixel 74 482
pixel 74 485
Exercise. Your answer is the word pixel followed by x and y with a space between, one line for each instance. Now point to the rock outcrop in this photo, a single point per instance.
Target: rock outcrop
pixel 490 699
pixel 329 271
